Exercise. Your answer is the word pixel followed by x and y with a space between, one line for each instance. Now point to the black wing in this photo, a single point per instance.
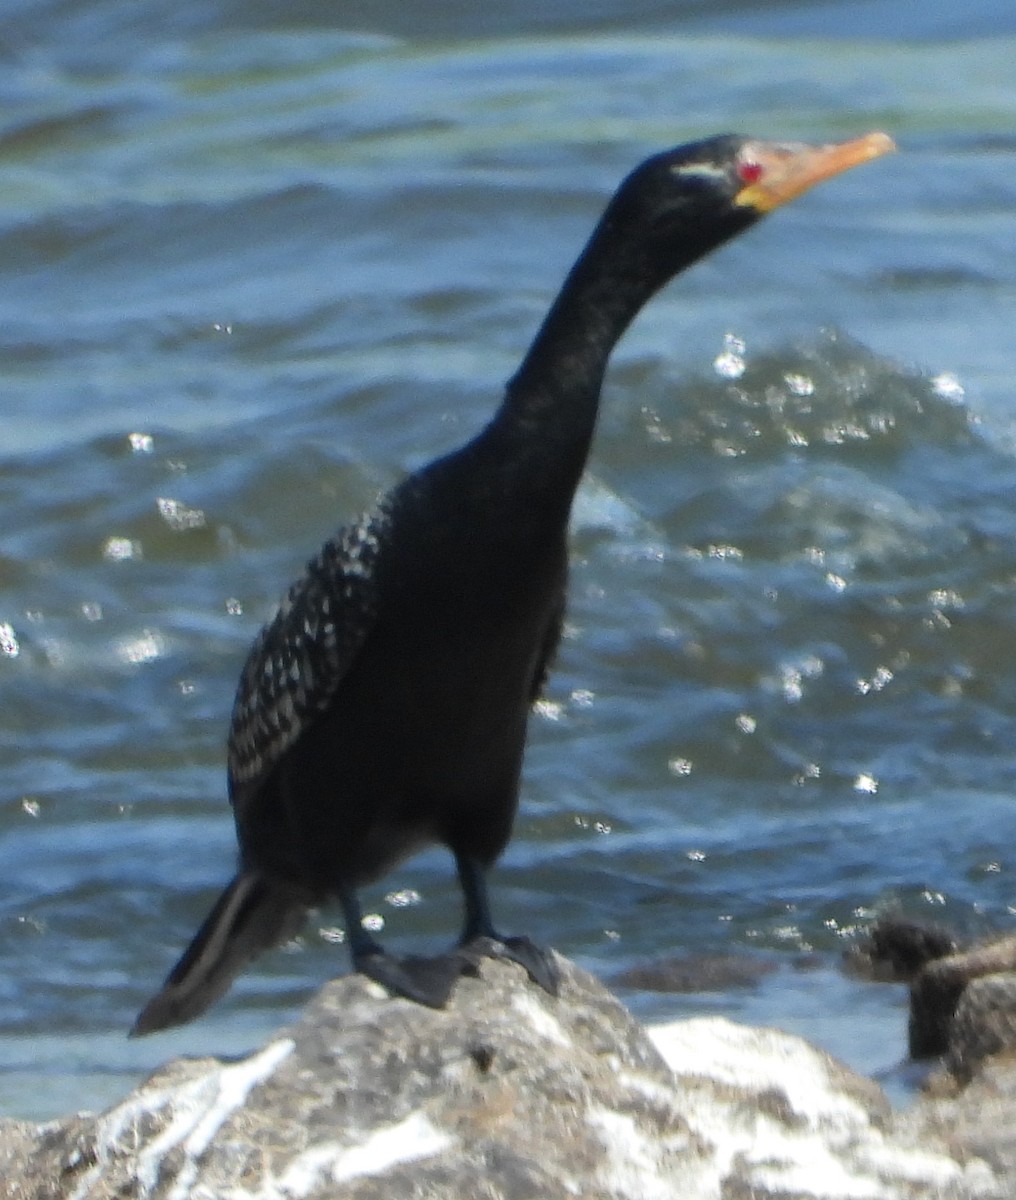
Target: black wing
pixel 299 659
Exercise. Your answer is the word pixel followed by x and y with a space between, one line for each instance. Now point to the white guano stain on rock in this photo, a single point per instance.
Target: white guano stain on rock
pixel 542 1023
pixel 831 1147
pixel 744 1057
pixel 199 1110
pixel 410 1140
pixel 516 1093
pixel 634 1166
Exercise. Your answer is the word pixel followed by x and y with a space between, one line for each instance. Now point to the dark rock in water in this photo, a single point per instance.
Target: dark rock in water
pixel 695 973
pixel 962 1003
pixel 507 1094
pixel 897 948
pixel 964 1006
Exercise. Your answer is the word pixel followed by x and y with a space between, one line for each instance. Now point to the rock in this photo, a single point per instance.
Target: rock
pixel 898 948
pixel 984 1024
pixel 964 1005
pixel 507 1095
pixel 976 1120
pixel 695 973
pixel 962 1002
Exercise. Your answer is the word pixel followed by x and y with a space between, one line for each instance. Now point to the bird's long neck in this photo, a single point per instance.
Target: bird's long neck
pixel 549 411
pixel 556 389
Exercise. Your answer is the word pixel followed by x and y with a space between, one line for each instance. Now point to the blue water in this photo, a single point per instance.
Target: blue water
pixel 255 265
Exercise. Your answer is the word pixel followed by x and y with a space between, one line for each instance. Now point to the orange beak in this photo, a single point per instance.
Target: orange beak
pixel 786 170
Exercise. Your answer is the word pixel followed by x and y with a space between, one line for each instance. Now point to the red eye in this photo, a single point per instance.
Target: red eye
pixel 750 172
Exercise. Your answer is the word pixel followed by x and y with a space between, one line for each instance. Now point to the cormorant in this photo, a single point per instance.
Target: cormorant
pixel 385 705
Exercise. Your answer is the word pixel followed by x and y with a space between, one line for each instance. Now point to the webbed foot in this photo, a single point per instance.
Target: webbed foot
pixel 538 962
pixel 427 981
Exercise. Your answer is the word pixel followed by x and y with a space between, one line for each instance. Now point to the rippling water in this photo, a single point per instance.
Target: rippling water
pixel 254 267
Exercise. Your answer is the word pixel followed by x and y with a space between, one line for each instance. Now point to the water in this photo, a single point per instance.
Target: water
pixel 253 267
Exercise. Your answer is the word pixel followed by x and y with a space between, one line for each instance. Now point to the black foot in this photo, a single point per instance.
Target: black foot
pixel 427 981
pixel 539 963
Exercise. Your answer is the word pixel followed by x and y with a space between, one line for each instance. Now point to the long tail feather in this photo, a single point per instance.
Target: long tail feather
pixel 251 915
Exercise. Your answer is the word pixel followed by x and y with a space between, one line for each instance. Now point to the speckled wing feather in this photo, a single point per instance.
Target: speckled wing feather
pixel 298 660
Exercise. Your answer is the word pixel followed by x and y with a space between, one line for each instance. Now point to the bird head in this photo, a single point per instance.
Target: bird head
pixel 684 202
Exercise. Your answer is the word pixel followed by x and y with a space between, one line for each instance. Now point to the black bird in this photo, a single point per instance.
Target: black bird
pixel 385 705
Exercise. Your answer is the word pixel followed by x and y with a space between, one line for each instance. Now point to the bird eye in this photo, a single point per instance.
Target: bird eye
pixel 749 172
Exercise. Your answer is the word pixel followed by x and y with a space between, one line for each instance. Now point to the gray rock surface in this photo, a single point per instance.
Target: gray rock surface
pixel 508 1094
pixel 976 1121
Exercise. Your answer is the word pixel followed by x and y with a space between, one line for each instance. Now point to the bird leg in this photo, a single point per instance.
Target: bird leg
pixel 427 981
pixel 481 940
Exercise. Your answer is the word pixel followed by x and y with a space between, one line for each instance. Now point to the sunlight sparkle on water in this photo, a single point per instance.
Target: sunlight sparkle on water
pixel 725 553
pixel 879 679
pixel 119 549
pixel 846 431
pixel 792 684
pixel 948 386
pixel 178 516
pixel 146 647
pixel 942 598
pixel 793 675
pixel 799 385
pixel 729 363
pixel 654 427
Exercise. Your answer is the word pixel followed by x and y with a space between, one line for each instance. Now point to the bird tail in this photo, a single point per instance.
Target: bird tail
pixel 251 915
